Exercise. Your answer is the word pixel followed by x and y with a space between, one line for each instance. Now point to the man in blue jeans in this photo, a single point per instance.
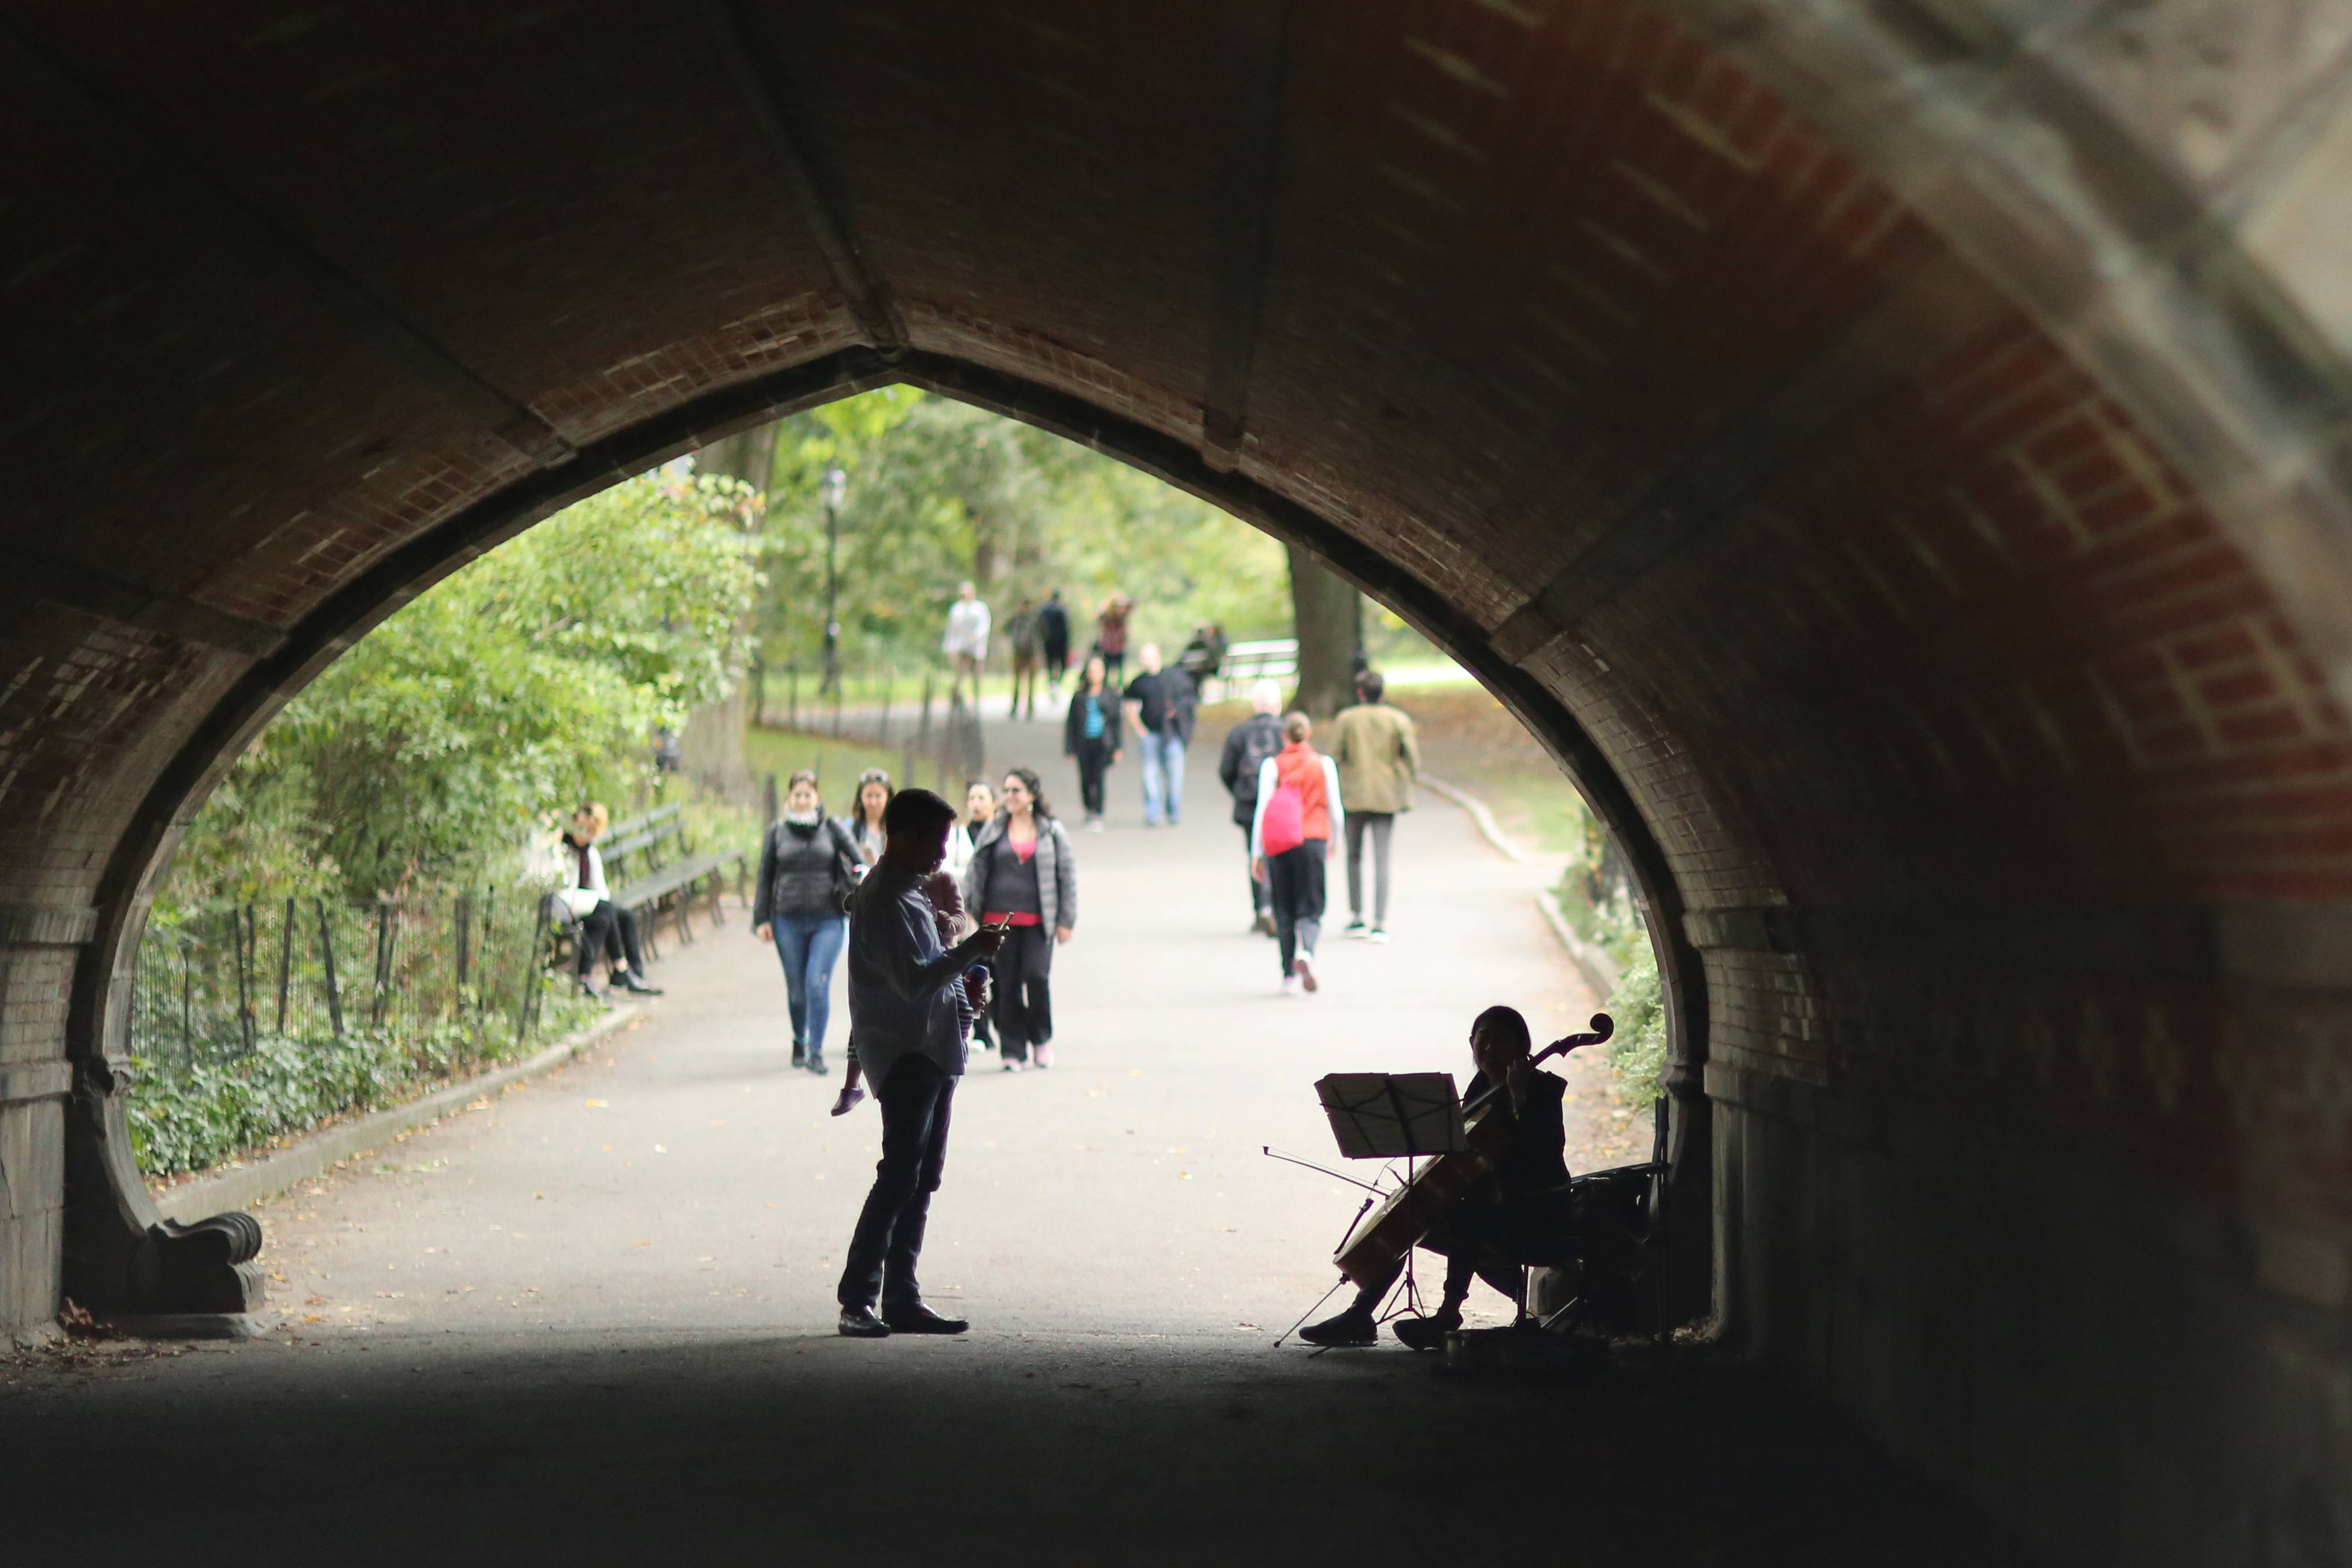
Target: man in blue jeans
pixel 909 1035
pixel 1160 706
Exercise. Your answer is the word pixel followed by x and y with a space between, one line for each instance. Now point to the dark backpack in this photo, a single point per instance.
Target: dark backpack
pixel 1259 741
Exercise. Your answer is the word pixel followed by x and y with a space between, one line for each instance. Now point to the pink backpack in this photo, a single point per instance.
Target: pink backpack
pixel 1283 825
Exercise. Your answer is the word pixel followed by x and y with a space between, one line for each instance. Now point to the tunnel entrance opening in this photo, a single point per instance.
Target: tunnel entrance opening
pixel 1893 454
pixel 1135 949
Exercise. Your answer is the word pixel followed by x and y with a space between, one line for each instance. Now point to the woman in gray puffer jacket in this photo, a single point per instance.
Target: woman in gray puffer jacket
pixel 805 871
pixel 1023 871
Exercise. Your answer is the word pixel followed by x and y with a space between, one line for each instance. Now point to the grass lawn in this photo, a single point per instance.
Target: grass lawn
pixel 837 763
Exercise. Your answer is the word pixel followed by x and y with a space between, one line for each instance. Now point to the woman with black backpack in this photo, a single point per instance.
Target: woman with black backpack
pixel 807 865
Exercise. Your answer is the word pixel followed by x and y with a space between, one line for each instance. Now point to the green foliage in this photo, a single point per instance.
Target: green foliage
pixel 939 492
pixel 187 1115
pixel 532 677
pixel 1637 1051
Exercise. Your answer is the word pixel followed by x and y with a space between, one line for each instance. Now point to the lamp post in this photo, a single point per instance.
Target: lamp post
pixel 831 489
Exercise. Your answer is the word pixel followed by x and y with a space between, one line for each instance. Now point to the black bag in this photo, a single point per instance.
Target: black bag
pixel 1261 741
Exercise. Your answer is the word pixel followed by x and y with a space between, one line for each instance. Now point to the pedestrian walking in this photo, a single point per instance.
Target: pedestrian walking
pixel 1090 737
pixel 1021 640
pixel 979 808
pixel 1247 746
pixel 1378 756
pixel 1110 635
pixel 1025 874
pixel 808 864
pixel 1053 641
pixel 1160 706
pixel 865 814
pixel 1299 809
pixel 904 1018
pixel 966 642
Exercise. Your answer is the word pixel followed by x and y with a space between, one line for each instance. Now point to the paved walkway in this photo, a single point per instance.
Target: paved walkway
pixel 591 1321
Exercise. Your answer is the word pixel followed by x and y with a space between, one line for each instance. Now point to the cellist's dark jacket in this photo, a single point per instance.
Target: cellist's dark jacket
pixel 1536 1160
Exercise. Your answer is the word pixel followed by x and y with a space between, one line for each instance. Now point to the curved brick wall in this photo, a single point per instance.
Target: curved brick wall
pixel 1894 462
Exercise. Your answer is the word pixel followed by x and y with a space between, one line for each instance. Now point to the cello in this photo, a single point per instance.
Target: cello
pixel 1388 1230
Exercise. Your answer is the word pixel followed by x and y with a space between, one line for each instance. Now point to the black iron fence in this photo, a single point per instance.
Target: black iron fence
pixel 465 971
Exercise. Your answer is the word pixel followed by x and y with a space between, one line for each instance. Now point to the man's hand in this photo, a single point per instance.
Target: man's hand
pixel 1116 754
pixel 1062 933
pixel 763 932
pixel 984 943
pixel 1519 1078
pixel 1257 867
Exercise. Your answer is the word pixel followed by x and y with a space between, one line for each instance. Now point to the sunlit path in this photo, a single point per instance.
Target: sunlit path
pixel 688 1176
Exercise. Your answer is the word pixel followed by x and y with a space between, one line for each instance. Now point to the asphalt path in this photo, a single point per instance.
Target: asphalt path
pixel 590 1320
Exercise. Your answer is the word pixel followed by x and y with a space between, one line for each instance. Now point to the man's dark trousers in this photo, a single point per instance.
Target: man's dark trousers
pixel 916 1099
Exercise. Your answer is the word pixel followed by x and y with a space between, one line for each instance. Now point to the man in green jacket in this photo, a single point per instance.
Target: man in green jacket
pixel 1377 756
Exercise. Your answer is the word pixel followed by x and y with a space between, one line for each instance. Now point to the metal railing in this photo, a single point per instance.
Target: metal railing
pixel 464 970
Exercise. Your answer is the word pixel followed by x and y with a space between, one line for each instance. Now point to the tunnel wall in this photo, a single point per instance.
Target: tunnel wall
pixel 1892 457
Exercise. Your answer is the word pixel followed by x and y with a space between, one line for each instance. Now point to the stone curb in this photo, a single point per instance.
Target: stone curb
pixel 1599 971
pixel 240 1186
pixel 1488 829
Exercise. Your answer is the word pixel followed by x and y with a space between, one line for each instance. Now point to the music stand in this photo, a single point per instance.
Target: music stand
pixel 1381 1116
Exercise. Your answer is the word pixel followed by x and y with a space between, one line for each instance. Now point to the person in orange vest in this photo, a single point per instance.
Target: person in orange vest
pixel 1298 819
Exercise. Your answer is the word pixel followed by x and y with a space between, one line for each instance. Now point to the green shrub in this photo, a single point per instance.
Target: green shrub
pixel 190 1114
pixel 1637 1051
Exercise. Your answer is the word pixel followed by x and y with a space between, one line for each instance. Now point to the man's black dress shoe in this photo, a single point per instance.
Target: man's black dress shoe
pixel 919 1319
pixel 1350 1328
pixel 634 985
pixel 860 1323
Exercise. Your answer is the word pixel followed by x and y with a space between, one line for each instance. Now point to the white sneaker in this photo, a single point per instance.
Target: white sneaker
pixel 1013 1066
pixel 1042 1054
pixel 1290 985
pixel 1378 933
pixel 1305 964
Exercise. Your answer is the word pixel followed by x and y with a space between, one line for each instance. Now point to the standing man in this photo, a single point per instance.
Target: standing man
pixel 1159 705
pixel 908 1035
pixel 1379 757
pixel 1247 746
pixel 1053 641
pixel 1020 637
pixel 966 643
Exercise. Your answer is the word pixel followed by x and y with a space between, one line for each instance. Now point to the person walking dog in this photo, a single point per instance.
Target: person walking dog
pixel 1299 814
pixel 909 1029
pixel 807 867
pixel 1378 756
pixel 1025 874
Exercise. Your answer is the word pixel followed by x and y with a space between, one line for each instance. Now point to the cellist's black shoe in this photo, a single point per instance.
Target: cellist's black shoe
pixel 1427 1333
pixel 860 1323
pixel 1355 1327
pixel 917 1319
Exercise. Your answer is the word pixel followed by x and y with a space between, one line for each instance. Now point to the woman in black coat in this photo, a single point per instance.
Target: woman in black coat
pixel 807 865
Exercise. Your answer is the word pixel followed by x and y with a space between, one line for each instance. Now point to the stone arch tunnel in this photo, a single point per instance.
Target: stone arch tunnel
pixel 1894 455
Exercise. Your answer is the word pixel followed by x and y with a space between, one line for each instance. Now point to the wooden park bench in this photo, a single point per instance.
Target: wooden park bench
pixel 1246 663
pixel 651 869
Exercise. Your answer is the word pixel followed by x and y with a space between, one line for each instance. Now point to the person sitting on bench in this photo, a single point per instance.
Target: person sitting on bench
pixel 1519 1215
pixel 604 924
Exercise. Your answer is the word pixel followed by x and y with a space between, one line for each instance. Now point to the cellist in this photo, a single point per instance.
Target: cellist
pixel 1517 1214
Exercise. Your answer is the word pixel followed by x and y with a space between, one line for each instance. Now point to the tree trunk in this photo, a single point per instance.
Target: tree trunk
pixel 1325 612
pixel 711 749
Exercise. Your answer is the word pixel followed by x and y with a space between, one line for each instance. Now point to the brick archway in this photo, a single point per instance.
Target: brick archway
pixel 1890 458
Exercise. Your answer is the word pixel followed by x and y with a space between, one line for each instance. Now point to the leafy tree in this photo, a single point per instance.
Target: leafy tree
pixel 531 676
